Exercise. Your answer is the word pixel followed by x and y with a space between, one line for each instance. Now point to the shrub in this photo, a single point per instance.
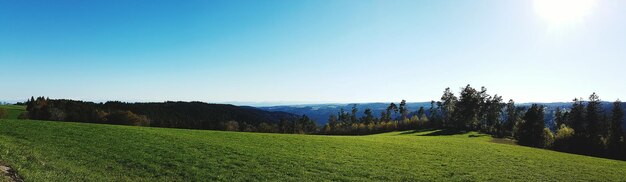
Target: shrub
pixel 248 127
pixel 548 138
pixel 267 128
pixel 563 138
pixel 231 126
pixel 127 118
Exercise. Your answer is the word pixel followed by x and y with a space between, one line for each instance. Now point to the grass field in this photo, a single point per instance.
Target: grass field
pixel 14 111
pixel 60 151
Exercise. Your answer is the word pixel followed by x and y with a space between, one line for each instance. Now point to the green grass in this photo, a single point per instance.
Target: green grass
pixel 58 151
pixel 13 110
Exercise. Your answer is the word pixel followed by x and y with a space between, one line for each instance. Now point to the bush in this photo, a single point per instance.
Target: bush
pixel 231 126
pixel 4 113
pixel 268 128
pixel 127 118
pixel 548 138
pixel 248 128
pixel 563 138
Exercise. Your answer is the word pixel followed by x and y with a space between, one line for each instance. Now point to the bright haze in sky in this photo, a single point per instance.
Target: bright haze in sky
pixel 311 51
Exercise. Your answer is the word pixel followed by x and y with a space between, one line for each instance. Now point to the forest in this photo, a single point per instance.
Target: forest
pixel 190 115
pixel 585 128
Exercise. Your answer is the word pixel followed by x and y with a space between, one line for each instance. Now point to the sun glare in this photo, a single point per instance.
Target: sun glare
pixel 563 12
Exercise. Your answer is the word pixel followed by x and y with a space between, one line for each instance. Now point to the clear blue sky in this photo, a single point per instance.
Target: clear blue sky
pixel 308 50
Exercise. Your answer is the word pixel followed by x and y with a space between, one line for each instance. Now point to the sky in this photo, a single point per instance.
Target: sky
pixel 311 51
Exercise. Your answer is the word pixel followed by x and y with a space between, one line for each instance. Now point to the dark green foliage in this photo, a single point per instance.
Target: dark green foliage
pixel 404 111
pixel 493 116
pixel 531 130
pixel 369 117
pixel 512 117
pixel 353 117
pixel 467 108
pixel 307 125
pixel 392 109
pixel 559 117
pixel 435 114
pixel 594 122
pixel 193 115
pixel 616 143
pixel 577 118
pixel 447 107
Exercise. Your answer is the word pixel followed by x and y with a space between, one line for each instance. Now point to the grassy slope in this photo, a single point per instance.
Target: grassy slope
pixel 57 151
pixel 14 111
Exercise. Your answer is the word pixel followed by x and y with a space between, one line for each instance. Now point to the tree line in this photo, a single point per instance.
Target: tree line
pixel 189 115
pixel 585 128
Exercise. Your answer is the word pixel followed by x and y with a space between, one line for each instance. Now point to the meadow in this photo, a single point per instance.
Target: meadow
pixel 63 151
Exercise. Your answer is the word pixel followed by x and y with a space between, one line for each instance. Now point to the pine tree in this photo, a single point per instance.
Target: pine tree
pixel 493 113
pixel 511 118
pixel 531 131
pixel 467 109
pixel 447 107
pixel 434 116
pixel 421 112
pixel 577 118
pixel 616 135
pixel 369 117
pixel 332 122
pixel 558 118
pixel 580 141
pixel 594 120
pixel 283 125
pixel 390 108
pixel 353 117
pixel 404 111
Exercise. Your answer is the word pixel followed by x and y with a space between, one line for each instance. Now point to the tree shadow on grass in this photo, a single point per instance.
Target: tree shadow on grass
pixel 445 132
pixel 435 132
pixel 416 131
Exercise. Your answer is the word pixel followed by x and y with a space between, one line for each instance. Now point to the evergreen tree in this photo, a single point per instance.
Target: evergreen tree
pixel 616 135
pixel 390 108
pixel 532 128
pixel 467 108
pixel 594 120
pixel 283 125
pixel 447 107
pixel 558 118
pixel 353 117
pixel 369 117
pixel 421 112
pixel 484 106
pixel 332 122
pixel 343 116
pixel 434 116
pixel 577 118
pixel 492 116
pixel 384 116
pixel 404 111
